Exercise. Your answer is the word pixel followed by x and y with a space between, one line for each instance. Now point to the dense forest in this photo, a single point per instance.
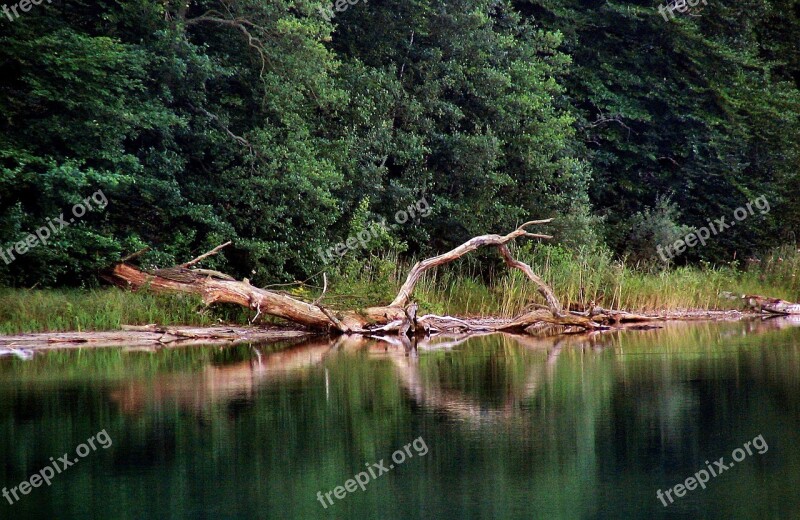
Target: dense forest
pixel 289 126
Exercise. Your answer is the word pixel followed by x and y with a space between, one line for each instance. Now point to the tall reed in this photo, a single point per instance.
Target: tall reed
pixel 583 276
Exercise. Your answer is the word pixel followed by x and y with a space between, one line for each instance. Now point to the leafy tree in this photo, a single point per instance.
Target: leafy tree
pixel 688 108
pixel 459 100
pixel 267 124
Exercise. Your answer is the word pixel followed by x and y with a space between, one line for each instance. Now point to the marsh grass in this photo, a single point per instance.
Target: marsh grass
pixel 479 285
pixel 23 310
pixel 580 276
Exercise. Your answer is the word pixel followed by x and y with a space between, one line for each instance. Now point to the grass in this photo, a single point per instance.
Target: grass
pixel 24 310
pixel 467 288
pixel 576 277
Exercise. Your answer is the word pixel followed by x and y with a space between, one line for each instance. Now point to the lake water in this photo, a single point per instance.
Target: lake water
pixel 493 427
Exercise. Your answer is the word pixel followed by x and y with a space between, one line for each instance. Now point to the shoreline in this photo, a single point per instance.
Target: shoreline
pixel 155 336
pixel 147 336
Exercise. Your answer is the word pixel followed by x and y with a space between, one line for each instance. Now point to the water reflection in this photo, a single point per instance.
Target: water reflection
pixel 219 383
pixel 578 426
pixel 227 382
pixel 242 379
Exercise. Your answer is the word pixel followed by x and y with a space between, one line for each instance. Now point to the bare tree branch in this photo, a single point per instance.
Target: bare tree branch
pixel 206 255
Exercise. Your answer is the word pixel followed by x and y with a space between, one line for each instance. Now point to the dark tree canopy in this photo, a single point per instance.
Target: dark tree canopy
pixel 269 125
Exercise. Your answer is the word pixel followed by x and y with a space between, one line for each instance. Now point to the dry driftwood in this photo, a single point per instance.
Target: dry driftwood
pixel 771 305
pixel 145 336
pixel 399 316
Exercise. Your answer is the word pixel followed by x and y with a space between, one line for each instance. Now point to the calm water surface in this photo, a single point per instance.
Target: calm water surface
pixel 572 427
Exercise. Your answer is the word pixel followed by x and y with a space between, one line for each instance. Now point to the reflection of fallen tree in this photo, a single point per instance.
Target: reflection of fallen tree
pixel 458 406
pixel 242 380
pixel 227 383
pixel 523 398
pixel 222 383
pixel 397 317
pixel 454 404
pixel 771 322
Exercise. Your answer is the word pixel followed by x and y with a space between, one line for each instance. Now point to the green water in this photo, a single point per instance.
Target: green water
pixel 574 427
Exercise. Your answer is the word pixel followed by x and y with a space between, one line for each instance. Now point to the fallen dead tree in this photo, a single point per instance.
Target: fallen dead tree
pixel 771 305
pixel 398 317
pixel 764 304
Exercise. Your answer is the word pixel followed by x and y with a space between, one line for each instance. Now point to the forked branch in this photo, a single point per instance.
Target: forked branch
pixel 404 296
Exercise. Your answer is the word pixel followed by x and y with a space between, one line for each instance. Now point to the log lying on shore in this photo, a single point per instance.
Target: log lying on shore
pixel 398 317
pixel 146 336
pixel 772 305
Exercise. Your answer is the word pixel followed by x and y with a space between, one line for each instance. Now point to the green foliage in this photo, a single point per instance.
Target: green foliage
pixel 651 228
pixel 263 123
pixel 461 101
pixel 701 108
pixel 380 234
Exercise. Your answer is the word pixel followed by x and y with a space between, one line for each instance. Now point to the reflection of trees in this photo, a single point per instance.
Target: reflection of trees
pixel 564 417
pixel 372 385
pixel 650 363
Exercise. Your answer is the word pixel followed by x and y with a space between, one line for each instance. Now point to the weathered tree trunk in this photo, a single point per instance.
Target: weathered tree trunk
pixel 772 305
pixel 397 317
pixel 213 290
